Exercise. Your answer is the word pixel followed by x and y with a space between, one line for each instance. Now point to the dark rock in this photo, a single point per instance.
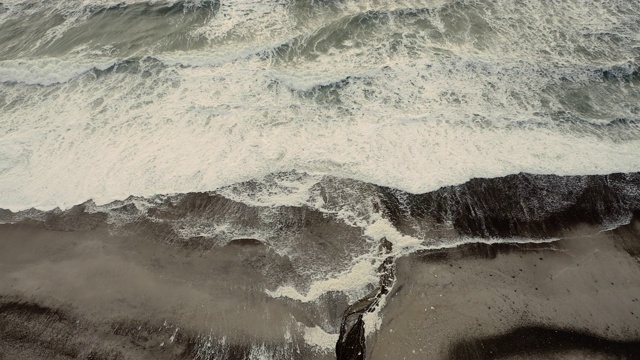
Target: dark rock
pixel 352 343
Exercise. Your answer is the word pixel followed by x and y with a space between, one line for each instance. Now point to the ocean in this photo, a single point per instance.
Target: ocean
pixel 306 149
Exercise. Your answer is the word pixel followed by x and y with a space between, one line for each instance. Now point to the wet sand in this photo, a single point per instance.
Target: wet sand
pixel 578 298
pixel 90 294
pixel 72 294
pixel 121 282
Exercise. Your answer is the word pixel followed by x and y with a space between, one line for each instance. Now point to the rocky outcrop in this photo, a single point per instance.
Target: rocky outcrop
pixel 352 341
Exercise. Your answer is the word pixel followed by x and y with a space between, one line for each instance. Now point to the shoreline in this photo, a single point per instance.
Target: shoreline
pixel 520 243
pixel 521 294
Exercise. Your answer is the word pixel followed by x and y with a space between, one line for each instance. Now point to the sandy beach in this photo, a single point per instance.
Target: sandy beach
pixel 577 298
pixel 90 294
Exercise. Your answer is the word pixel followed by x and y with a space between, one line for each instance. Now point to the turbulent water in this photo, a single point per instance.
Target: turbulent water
pixel 292 112
pixel 101 100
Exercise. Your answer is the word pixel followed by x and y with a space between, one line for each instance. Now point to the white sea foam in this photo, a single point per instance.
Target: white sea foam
pixel 363 274
pixel 66 152
pixel 353 282
pixel 415 113
pixel 285 189
pixel 373 319
pixel 320 339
